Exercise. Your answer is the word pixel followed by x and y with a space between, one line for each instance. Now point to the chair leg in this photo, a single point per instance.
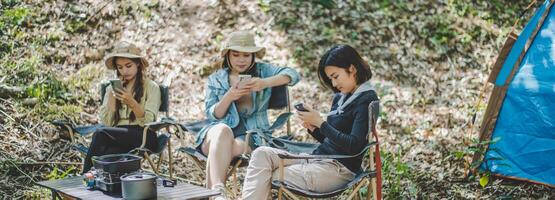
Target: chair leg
pixel 357 188
pixel 235 188
pixel 196 161
pixel 150 162
pixel 198 164
pixel 372 186
pixel 233 174
pixel 170 158
pixel 160 158
pixel 372 182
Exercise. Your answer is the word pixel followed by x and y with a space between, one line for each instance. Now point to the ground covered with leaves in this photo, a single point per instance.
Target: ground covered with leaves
pixel 430 60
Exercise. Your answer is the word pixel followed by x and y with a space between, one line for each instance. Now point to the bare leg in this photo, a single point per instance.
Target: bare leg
pixel 221 148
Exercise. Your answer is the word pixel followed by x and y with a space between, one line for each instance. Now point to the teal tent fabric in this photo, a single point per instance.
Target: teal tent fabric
pixel 525 128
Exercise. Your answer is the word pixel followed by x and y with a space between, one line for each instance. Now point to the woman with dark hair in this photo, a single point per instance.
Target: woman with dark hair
pixel 124 112
pixel 344 132
pixel 237 99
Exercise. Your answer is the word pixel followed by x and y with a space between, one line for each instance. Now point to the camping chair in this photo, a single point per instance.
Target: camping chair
pixel 278 100
pixel 370 176
pixel 163 139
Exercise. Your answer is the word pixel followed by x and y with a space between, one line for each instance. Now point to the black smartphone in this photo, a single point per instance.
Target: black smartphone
pixel 116 83
pixel 300 107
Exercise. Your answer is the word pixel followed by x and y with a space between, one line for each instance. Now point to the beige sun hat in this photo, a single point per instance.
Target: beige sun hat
pixel 125 50
pixel 243 41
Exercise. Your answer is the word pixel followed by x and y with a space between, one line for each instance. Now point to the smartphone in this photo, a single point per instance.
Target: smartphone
pixel 243 78
pixel 300 107
pixel 116 83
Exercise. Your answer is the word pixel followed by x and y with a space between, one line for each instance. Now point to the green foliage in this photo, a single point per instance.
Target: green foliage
pixel 138 8
pixel 56 173
pixel 484 180
pixel 394 170
pixel 75 26
pixel 21 72
pixel 10 21
pixel 264 5
pixel 51 88
pixel 42 193
pixel 21 58
pixel 9 3
pixel 390 31
pixel 442 34
pixel 329 4
pixel 480 147
pixel 13 17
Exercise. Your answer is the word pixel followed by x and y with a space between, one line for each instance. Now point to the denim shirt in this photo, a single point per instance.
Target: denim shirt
pixel 257 117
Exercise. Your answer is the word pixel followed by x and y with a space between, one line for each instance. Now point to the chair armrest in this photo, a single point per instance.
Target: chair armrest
pixel 61 122
pixel 280 121
pixel 163 123
pixel 82 130
pixel 261 133
pixel 195 126
pixel 156 126
pixel 67 125
pixel 64 124
pixel 311 157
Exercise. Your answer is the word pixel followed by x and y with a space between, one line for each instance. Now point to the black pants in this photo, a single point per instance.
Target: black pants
pixel 114 140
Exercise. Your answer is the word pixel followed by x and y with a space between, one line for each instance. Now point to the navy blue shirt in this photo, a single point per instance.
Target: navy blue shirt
pixel 346 133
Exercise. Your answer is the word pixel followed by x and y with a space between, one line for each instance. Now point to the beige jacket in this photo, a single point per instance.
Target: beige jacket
pixel 150 103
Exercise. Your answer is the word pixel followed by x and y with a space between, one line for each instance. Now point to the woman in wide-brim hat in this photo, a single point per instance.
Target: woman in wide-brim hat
pixel 124 111
pixel 236 106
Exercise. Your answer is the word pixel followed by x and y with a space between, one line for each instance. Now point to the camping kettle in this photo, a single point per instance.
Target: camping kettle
pixel 139 185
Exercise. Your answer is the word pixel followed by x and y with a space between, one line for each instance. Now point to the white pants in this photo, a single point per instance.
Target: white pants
pixel 314 175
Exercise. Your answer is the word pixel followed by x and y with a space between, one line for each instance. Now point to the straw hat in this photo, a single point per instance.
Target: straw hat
pixel 243 41
pixel 125 50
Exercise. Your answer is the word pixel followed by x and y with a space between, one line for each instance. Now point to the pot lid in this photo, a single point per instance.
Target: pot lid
pixel 138 176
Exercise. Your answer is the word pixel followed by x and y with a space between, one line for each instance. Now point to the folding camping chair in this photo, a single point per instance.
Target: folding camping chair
pixel 371 175
pixel 278 100
pixel 163 139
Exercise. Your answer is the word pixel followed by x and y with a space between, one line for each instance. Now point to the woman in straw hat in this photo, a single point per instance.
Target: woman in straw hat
pixel 125 111
pixel 236 106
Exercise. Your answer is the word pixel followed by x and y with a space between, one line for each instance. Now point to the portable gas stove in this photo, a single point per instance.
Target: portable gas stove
pixel 109 168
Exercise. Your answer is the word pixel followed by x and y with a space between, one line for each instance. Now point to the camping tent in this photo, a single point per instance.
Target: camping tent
pixel 520 116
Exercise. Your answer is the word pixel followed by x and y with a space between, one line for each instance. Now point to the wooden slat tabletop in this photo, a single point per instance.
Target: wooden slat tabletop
pixel 74 187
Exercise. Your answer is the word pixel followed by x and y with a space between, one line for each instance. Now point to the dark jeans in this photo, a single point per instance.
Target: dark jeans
pixel 115 140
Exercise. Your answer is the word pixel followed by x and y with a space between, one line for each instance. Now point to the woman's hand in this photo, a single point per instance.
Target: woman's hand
pixel 235 92
pixel 308 126
pixel 257 84
pixel 125 97
pixel 311 117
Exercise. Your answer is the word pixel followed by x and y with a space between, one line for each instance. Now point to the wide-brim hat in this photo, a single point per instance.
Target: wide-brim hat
pixel 124 50
pixel 243 41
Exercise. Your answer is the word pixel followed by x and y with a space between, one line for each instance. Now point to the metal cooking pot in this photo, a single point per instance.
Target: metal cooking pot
pixel 139 185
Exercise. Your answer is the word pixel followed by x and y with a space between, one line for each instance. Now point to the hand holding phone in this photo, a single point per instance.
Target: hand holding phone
pixel 116 84
pixel 243 79
pixel 311 118
pixel 300 107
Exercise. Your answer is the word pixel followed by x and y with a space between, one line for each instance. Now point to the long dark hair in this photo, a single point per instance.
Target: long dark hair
pixel 138 89
pixel 251 71
pixel 343 56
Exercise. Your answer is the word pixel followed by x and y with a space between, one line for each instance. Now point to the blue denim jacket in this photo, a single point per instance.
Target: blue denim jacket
pixel 257 118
